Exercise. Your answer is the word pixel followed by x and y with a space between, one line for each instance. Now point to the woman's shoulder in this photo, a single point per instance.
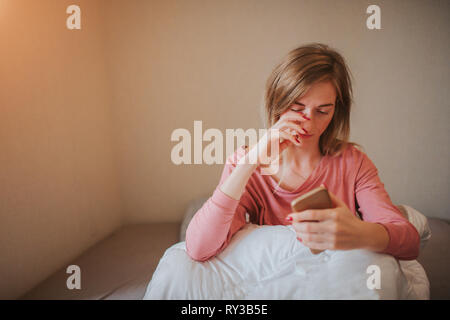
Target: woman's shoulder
pixel 355 150
pixel 351 153
pixel 356 157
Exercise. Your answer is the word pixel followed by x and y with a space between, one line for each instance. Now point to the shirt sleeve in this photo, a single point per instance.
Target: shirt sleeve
pixel 376 206
pixel 220 217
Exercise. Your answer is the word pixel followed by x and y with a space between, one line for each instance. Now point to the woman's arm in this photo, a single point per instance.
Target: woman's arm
pixel 374 237
pixel 223 214
pixel 383 228
pixel 339 229
pixel 376 207
pixel 234 184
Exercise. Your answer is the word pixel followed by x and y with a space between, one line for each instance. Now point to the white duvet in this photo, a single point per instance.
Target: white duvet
pixel 268 262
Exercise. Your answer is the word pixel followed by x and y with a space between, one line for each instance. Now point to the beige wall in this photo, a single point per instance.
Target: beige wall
pixel 174 62
pixel 75 103
pixel 59 190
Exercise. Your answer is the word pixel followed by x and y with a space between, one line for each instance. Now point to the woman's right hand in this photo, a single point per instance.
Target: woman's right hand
pixel 288 128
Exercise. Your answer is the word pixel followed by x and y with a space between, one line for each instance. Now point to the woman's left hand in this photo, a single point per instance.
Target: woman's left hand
pixel 336 229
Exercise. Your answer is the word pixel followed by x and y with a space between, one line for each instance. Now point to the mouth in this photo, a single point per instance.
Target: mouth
pixel 305 135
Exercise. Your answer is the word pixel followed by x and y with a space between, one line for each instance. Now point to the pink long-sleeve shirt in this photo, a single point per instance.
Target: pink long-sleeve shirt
pixel 351 176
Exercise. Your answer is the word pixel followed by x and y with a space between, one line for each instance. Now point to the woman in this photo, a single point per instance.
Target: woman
pixel 308 99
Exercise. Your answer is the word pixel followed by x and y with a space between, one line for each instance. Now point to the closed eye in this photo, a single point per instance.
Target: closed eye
pixel 297 110
pixel 297 103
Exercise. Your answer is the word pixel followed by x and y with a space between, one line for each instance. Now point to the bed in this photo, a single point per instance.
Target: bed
pixel 122 265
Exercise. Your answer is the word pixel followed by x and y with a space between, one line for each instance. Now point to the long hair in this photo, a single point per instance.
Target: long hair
pixel 295 74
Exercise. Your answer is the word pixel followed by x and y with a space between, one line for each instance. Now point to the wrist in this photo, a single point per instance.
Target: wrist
pixel 374 236
pixel 250 159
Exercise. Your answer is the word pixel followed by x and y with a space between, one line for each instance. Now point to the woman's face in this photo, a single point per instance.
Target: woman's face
pixel 318 105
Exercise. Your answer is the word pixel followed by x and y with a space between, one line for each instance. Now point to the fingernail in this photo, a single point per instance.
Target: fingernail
pixel 305 117
pixel 289 218
pixel 299 239
pixel 306 131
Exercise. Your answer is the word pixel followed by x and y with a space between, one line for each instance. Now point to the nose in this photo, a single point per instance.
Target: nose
pixel 307 117
pixel 309 121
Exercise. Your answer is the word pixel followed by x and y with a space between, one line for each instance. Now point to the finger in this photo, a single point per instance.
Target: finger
pixel 294 126
pixel 294 115
pixel 310 237
pixel 316 245
pixel 288 120
pixel 311 215
pixel 276 132
pixel 282 137
pixel 308 227
pixel 289 136
pixel 314 240
pixel 283 145
pixel 295 134
pixel 299 112
pixel 291 124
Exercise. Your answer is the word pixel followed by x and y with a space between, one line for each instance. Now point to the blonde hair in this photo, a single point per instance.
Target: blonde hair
pixel 295 74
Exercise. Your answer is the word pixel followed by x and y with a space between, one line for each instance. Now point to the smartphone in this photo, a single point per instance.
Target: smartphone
pixel 317 198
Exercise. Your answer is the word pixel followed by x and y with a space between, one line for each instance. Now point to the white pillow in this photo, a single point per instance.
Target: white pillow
pixel 419 221
pixel 268 262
